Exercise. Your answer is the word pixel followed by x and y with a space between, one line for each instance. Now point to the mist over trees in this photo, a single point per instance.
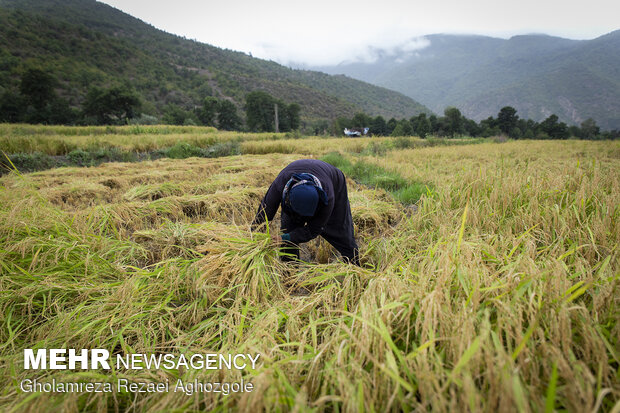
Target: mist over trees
pixel 537 74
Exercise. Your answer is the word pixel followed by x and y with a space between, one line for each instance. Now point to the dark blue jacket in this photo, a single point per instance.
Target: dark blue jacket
pixel 335 217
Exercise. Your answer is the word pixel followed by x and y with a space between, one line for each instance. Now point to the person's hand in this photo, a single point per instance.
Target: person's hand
pixel 276 238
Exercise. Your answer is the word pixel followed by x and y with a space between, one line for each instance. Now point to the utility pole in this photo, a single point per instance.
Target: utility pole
pixel 277 123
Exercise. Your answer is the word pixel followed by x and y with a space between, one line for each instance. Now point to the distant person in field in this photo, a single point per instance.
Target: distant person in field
pixel 314 201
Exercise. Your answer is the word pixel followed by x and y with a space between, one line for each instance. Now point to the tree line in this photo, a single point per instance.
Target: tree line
pixel 36 101
pixel 453 124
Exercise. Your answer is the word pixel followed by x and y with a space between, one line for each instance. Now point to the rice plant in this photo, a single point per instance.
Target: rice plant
pixel 498 291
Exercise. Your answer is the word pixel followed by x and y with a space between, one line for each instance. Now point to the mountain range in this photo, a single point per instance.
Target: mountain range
pixel 536 74
pixel 85 43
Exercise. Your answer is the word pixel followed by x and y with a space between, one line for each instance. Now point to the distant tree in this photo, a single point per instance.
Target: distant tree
pixel 489 122
pixel 442 127
pixel 422 125
pixel 611 134
pixel 554 129
pixel 454 123
pixel 434 124
pixel 488 127
pixel 339 124
pixel 190 120
pixel 413 121
pixel 522 125
pixel 11 107
pixel 507 119
pixel 403 128
pixel 38 101
pixel 260 114
pixel 37 88
pixel 515 133
pixel 391 125
pixel 293 113
pixel 288 116
pixel 60 113
pixel 204 90
pixel 124 103
pixel 227 117
pixel 95 107
pixel 361 120
pixel 528 128
pixel 174 115
pixel 471 127
pixel 378 126
pixel 284 117
pixel 112 106
pixel 319 127
pixel 589 129
pixel 574 130
pixel 208 112
pixel 528 134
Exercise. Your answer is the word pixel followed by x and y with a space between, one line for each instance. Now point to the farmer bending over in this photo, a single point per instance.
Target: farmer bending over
pixel 313 196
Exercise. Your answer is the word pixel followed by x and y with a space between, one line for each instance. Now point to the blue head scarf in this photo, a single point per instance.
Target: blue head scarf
pixel 302 194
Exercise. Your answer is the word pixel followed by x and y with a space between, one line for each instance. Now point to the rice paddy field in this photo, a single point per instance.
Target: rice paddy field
pixel 489 278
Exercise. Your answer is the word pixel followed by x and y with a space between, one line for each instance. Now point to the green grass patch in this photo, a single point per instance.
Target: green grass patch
pixel 412 192
pixel 375 176
pixel 80 157
pixel 28 130
pixel 182 150
pixel 27 162
pixel 408 142
pixel 38 161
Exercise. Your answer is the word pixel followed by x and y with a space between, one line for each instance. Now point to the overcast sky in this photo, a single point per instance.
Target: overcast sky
pixel 330 31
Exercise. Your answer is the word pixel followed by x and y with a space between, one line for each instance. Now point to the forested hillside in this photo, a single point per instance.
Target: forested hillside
pixel 85 44
pixel 536 74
